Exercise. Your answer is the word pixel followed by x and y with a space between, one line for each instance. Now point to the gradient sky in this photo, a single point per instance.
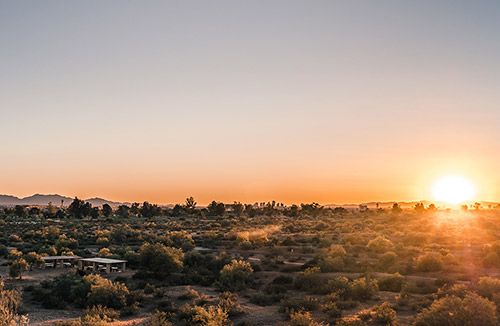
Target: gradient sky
pixel 296 101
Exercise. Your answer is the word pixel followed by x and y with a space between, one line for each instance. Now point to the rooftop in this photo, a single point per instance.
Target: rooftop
pixel 103 260
pixel 60 257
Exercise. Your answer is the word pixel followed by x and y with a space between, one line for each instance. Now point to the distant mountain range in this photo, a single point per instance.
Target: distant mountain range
pixel 41 200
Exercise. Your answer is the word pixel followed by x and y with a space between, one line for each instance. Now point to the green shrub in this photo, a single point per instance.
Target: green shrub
pixel 97 316
pixel 332 310
pixel 265 299
pixel 340 286
pixel 380 244
pixel 430 262
pixel 309 280
pixel 106 293
pixel 472 310
pixel 330 264
pixel 364 289
pixel 159 319
pixel 299 304
pixel 160 259
pixel 302 319
pixel 387 261
pixel 488 286
pixel 189 294
pixel 458 290
pixel 213 316
pixel 17 268
pixel 380 315
pixel 392 283
pixel 236 276
pixel 228 302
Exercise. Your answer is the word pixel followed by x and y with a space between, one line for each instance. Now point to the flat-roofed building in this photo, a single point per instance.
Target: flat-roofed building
pixel 60 261
pixel 102 264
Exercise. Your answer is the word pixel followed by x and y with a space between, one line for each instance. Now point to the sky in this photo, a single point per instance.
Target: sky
pixel 293 101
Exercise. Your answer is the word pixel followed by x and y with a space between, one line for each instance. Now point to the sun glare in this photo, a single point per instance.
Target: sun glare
pixel 453 190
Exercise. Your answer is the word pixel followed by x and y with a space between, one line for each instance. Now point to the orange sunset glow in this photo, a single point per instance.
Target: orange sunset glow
pixel 136 111
pixel 238 163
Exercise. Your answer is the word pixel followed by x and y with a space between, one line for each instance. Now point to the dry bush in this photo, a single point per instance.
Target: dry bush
pixel 380 244
pixel 430 262
pixel 472 310
pixel 302 319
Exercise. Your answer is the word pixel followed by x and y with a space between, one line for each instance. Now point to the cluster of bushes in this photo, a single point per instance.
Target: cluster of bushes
pixel 199 312
pixel 311 280
pixel 203 269
pixel 89 290
pixel 93 316
pixel 383 314
pixel 10 303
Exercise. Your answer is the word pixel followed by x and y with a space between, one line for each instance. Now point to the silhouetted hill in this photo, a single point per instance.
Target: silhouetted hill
pixel 41 200
pixel 100 201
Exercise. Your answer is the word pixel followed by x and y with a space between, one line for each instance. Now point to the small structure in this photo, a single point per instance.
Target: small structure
pixel 102 264
pixel 60 261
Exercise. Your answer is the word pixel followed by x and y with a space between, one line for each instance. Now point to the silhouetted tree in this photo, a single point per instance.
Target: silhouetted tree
pixel 134 209
pixel 78 208
pixel 106 210
pixel 190 204
pixel 396 208
pixel 95 212
pixel 419 207
pixel 237 208
pixel 149 210
pixel 216 209
pixel 123 211
pixel 313 209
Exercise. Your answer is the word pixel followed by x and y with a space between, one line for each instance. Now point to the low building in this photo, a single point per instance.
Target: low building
pixel 102 264
pixel 60 261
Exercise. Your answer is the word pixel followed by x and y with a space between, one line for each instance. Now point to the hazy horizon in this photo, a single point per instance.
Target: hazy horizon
pixel 441 204
pixel 333 102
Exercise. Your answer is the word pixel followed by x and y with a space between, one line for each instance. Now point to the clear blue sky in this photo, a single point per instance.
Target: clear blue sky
pixel 331 101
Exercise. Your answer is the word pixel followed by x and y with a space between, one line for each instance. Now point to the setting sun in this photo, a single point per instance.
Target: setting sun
pixel 453 189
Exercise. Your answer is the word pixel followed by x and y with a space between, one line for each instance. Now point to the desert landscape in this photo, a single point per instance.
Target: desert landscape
pixel 249 163
pixel 253 265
